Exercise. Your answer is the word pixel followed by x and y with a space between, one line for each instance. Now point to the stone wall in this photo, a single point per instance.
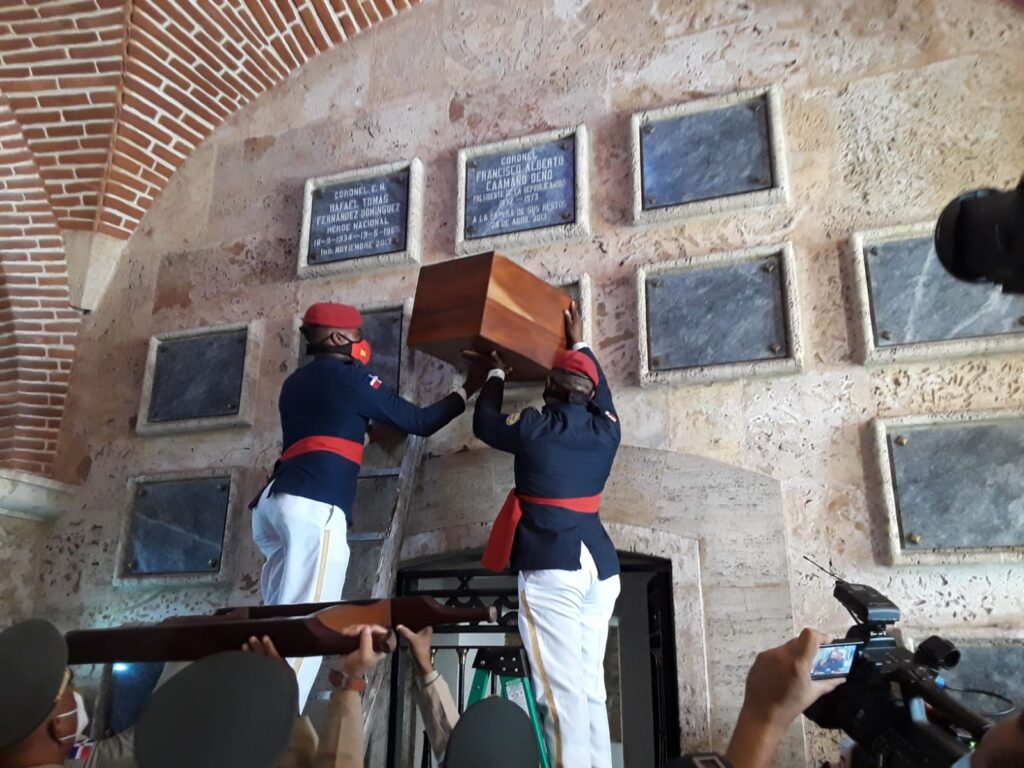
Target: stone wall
pixel 891 107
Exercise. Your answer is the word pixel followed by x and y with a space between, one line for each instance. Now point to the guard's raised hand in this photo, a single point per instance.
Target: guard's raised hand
pixel 573 326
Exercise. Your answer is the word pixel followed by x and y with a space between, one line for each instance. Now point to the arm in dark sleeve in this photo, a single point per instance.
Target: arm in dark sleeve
pixel 492 426
pixel 603 393
pixel 383 404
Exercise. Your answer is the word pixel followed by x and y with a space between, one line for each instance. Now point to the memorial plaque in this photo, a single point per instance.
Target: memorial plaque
pixel 383 329
pixel 996 668
pixel 353 219
pixel 198 376
pixel 177 526
pixel 959 485
pixel 706 154
pixel 529 188
pixel 128 691
pixel 717 314
pixel 914 299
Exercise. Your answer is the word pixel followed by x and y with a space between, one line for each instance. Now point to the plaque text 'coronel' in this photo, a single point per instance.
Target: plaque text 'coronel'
pixel 360 218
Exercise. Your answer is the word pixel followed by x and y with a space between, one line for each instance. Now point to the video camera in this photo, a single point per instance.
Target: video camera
pixel 882 704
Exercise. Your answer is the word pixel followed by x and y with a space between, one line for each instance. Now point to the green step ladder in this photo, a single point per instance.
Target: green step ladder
pixel 510 667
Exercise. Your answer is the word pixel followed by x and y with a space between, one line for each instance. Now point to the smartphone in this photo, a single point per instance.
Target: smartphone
pixel 834 660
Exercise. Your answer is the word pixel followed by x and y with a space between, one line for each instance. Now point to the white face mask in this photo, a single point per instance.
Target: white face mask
pixel 82 719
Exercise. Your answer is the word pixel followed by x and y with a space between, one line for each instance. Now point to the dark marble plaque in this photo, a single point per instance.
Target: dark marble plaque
pixel 959 485
pixel 914 299
pixel 999 669
pixel 198 376
pixel 177 526
pixel 726 313
pixel 704 155
pixel 358 218
pixel 522 189
pixel 384 331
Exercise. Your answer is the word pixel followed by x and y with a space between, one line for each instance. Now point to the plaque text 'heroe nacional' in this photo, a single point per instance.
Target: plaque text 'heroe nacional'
pixel 359 218
pixel 524 189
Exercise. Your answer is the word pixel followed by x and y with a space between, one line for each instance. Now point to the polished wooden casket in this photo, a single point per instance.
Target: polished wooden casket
pixel 488 302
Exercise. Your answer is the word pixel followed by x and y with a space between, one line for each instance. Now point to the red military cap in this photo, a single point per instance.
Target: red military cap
pixel 333 316
pixel 576 362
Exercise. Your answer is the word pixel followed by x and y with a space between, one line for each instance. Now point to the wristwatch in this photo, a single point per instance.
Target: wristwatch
pixel 346 683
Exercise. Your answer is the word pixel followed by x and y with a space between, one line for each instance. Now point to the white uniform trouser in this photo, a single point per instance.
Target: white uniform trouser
pixel 563 619
pixel 306 546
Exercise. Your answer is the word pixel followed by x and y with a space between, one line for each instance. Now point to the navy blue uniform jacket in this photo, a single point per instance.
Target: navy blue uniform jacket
pixel 563 451
pixel 335 397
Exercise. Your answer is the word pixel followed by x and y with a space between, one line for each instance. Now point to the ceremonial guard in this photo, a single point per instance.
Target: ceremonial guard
pixel 550 532
pixel 301 518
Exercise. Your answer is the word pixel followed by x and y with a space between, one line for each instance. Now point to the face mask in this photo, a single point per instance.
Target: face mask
pixel 82 718
pixel 556 392
pixel 360 351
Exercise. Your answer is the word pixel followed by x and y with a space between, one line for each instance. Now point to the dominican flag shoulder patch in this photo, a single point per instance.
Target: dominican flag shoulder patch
pixel 81 752
pixel 375 382
pixel 612 416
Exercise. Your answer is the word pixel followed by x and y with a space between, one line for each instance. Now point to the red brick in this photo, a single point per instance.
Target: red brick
pixel 64 68
pixel 96 81
pixel 60 131
pixel 18 14
pixel 283 52
pixel 112 19
pixel 64 100
pixel 74 39
pixel 28 57
pixel 30 86
pixel 328 19
pixel 312 26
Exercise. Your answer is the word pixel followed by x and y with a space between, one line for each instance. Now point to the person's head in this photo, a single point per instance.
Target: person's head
pixel 335 329
pixel 227 710
pixel 472 742
pixel 573 379
pixel 1003 746
pixel 41 713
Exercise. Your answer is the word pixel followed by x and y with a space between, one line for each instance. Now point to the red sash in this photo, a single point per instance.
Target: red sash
pixel 347 449
pixel 503 533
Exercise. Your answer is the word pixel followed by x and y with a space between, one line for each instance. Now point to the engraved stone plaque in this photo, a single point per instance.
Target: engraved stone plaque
pixel 997 668
pixel 198 376
pixel 914 299
pixel 522 189
pixel 374 503
pixel 959 485
pixel 717 314
pixel 703 155
pixel 177 526
pixel 353 219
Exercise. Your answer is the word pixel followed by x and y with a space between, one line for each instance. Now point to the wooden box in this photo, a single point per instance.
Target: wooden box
pixel 487 302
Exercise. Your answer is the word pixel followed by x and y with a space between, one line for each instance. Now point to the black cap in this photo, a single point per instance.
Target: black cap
pixel 33 658
pixel 496 733
pixel 226 710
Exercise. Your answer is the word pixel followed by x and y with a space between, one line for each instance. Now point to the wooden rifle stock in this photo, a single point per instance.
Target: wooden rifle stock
pixel 310 629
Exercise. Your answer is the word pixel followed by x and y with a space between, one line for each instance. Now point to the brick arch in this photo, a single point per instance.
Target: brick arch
pixel 100 102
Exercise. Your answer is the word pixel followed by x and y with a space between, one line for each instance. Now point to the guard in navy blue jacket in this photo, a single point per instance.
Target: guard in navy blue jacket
pixel 301 519
pixel 550 532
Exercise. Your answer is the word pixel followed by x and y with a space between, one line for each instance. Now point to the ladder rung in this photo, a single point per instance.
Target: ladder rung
pixel 374 536
pixel 382 472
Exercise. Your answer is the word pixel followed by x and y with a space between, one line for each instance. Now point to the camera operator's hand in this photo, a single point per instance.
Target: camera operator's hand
pixel 779 688
pixel 419 647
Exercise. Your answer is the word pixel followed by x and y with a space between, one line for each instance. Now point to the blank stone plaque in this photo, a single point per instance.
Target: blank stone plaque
pixel 914 299
pixel 198 376
pixel 959 485
pixel 704 155
pixel 988 668
pixel 177 526
pixel 724 313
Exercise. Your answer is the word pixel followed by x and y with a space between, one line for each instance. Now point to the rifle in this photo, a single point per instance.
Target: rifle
pixel 307 629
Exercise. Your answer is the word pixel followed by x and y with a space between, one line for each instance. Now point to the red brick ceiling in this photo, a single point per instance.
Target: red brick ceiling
pixel 100 102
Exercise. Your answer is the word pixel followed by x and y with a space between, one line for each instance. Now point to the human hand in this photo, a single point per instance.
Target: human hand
pixel 779 685
pixel 419 647
pixel 357 663
pixel 264 647
pixel 481 365
pixel 573 326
